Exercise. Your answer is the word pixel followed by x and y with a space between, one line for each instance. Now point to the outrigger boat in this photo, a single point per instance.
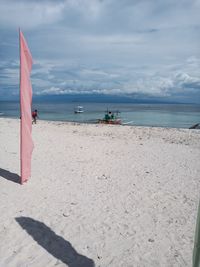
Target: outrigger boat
pixel 111 118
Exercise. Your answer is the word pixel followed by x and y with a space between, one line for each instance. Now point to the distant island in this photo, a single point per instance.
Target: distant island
pixel 102 98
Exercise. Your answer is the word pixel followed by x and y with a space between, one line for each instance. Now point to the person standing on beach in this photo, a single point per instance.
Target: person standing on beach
pixel 34 116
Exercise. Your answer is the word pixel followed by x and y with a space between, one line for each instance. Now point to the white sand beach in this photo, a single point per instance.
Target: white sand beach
pixel 99 195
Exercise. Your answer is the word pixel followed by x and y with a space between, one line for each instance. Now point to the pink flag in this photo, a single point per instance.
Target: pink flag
pixel 26 143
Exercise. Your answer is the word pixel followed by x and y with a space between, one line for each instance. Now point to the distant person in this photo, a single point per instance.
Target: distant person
pixel 34 116
pixel 107 117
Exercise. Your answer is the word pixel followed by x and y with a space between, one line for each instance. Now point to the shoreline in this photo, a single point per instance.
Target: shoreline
pixel 96 123
pixel 152 115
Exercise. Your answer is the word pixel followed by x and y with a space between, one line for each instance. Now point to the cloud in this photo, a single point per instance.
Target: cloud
pixel 127 47
pixel 101 16
pixel 145 81
pixel 186 81
pixel 29 14
pixel 9 72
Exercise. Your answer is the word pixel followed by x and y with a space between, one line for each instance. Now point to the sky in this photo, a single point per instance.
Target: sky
pixel 143 49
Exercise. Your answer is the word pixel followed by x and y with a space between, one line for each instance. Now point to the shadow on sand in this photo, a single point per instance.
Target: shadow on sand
pixel 54 244
pixel 10 176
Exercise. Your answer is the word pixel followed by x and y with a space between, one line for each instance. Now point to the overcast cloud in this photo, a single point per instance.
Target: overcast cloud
pixel 122 47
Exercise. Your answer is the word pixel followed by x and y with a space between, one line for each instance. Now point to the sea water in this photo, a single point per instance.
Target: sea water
pixel 160 115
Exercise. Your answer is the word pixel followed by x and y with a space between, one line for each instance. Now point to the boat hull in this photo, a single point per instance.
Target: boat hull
pixel 115 122
pixel 78 112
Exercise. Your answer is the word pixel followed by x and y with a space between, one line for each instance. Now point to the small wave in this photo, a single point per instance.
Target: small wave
pixel 1 113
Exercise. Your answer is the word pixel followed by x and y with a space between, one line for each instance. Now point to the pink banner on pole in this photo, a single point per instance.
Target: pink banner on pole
pixel 26 143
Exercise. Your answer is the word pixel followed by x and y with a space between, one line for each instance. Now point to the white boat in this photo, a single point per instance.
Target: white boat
pixel 78 109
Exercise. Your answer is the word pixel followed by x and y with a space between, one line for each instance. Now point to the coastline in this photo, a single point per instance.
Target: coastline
pixel 121 196
pixel 150 115
pixel 68 122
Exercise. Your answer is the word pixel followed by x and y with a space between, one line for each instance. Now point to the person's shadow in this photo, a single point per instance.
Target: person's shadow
pixel 10 176
pixel 54 244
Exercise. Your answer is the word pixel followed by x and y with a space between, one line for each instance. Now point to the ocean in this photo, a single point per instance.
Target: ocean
pixel 156 115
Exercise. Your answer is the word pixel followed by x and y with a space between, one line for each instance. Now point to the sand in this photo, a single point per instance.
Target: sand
pixel 103 196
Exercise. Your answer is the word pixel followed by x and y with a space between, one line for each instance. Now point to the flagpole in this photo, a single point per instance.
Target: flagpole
pixel 196 249
pixel 20 105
